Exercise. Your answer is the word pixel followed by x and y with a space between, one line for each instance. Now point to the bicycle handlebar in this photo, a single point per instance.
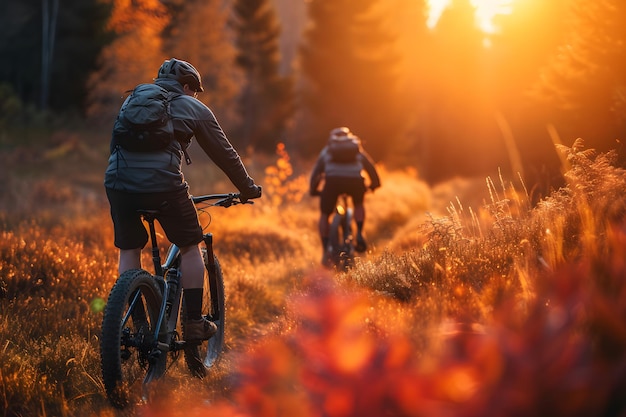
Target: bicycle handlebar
pixel 225 200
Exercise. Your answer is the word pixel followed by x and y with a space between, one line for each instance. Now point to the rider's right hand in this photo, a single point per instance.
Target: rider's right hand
pixel 253 192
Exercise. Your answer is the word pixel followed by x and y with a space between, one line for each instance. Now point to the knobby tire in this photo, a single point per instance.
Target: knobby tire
pixel 125 347
pixel 199 358
pixel 340 240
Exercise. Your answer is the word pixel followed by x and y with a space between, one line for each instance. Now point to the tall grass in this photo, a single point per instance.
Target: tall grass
pixel 502 309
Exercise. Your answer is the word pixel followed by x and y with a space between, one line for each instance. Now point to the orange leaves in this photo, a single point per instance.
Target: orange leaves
pixel 129 15
pixel 279 183
pixel 267 382
pixel 337 363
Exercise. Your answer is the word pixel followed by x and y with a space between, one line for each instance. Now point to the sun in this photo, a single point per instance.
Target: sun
pixel 484 12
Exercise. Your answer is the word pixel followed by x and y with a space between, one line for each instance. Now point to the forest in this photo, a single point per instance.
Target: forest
pixel 493 280
pixel 421 89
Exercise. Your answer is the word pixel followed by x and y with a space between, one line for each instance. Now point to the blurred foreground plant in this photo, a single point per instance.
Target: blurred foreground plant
pixel 566 357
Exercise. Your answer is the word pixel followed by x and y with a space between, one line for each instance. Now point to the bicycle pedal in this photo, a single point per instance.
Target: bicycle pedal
pixel 125 354
pixel 154 356
pixel 180 345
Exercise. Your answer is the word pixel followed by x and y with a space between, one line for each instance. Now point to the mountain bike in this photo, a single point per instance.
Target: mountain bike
pixel 144 312
pixel 340 251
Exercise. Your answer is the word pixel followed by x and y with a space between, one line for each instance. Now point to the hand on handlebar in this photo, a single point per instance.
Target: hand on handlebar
pixel 314 192
pixel 253 192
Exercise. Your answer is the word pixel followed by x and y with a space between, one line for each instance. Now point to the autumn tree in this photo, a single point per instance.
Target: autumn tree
pixel 133 57
pixel 266 100
pixel 582 89
pixel 412 38
pixel 517 55
pixel 349 66
pixel 455 97
pixel 198 32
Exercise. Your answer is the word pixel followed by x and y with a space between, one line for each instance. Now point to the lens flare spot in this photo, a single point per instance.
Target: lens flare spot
pixel 97 305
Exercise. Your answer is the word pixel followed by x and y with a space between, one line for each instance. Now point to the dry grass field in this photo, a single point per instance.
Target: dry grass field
pixel 464 306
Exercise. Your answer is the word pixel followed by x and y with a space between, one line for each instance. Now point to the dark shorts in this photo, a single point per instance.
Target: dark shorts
pixel 177 216
pixel 334 187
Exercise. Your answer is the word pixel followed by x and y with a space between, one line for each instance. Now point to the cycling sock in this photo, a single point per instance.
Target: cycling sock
pixel 193 303
pixel 359 227
pixel 325 243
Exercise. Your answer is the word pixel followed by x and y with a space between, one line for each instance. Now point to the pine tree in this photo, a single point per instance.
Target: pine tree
pixel 582 90
pixel 349 66
pixel 456 103
pixel 266 102
pixel 409 25
pixel 518 54
pixel 133 57
pixel 198 33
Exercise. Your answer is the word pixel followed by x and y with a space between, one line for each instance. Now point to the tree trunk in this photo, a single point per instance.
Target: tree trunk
pixel 49 20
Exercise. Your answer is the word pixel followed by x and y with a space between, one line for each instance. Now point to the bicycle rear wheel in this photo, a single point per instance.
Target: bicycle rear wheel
pixel 127 342
pixel 347 253
pixel 200 357
pixel 335 238
pixel 340 240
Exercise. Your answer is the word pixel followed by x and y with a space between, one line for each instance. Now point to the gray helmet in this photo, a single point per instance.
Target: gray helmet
pixel 181 71
pixel 340 133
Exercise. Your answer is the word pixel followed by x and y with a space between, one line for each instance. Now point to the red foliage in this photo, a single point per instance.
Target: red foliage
pixel 565 358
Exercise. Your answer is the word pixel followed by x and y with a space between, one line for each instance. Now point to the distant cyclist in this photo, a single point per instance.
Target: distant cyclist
pixel 340 165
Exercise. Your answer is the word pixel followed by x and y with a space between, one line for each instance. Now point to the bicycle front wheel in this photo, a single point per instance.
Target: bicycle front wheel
pixel 340 240
pixel 335 238
pixel 127 342
pixel 200 358
pixel 347 253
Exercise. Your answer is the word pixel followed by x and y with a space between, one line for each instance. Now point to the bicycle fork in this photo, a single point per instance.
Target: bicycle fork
pixel 214 289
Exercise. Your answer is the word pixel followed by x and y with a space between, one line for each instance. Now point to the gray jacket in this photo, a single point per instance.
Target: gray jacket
pixel 161 171
pixel 325 167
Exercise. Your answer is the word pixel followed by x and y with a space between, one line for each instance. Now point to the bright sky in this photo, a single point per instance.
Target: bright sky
pixel 486 10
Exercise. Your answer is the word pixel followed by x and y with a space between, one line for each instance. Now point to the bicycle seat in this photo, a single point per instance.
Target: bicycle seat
pixel 144 212
pixel 152 213
pixel 148 215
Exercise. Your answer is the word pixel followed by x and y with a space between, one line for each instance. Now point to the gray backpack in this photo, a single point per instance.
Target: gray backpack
pixel 144 123
pixel 344 150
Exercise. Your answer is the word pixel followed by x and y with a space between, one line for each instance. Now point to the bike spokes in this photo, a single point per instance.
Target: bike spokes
pixel 128 336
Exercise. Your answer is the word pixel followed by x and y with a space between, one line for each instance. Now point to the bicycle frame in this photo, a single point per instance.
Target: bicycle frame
pixel 168 273
pixel 144 309
pixel 341 234
pixel 168 278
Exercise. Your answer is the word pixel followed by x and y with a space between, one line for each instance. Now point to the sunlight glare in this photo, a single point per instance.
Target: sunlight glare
pixel 435 10
pixel 485 12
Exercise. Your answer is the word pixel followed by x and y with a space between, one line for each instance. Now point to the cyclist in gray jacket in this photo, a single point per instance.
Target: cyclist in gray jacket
pixel 340 164
pixel 154 180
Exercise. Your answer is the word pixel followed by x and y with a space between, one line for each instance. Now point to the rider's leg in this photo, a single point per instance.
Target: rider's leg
pixel 358 195
pixel 196 327
pixel 328 200
pixel 324 229
pixel 192 279
pixel 359 217
pixel 129 259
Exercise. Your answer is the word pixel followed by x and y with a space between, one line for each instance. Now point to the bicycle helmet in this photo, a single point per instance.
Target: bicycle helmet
pixel 340 133
pixel 181 71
